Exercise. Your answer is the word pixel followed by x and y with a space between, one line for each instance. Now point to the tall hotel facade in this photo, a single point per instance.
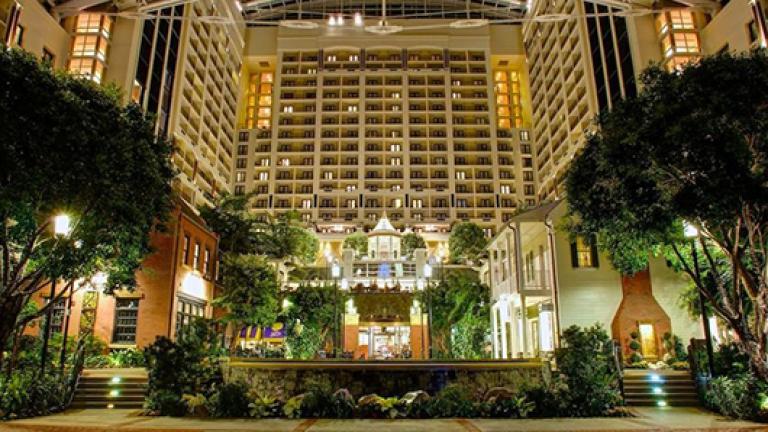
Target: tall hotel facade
pixel 427 127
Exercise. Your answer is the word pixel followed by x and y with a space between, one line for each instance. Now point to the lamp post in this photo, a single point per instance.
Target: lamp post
pixel 428 275
pixel 61 228
pixel 335 274
pixel 691 233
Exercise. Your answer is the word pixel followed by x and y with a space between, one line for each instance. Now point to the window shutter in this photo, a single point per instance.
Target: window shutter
pixel 574 255
pixel 593 251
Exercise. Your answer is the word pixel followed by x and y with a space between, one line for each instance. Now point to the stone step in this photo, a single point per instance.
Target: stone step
pixel 110 404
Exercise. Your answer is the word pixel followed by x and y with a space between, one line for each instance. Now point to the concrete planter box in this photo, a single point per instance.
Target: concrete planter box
pixel 286 378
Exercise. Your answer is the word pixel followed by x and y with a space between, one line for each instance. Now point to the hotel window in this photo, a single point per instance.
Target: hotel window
pixel 584 253
pixel 505 189
pixel 263 176
pixel 12 23
pixel 185 253
pixel 417 203
pixel 508 108
pixel 306 203
pixel 240 176
pixel 188 310
pixel 126 318
pixel 48 57
pixel 196 256
pixel 207 263
pixel 258 111
pixel 58 313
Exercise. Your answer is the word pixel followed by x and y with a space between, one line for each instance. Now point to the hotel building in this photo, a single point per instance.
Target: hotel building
pixel 463 111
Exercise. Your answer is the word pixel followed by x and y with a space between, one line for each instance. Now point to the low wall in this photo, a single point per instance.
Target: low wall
pixel 285 378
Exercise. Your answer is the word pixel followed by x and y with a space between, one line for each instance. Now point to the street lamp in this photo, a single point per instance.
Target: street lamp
pixel 61 228
pixel 691 233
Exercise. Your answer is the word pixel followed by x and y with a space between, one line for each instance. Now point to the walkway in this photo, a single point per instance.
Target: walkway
pixel 648 419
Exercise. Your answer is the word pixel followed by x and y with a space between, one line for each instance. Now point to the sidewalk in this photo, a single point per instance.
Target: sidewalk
pixel 648 419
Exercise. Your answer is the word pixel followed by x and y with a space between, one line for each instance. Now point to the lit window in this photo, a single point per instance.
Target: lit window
pixel 584 253
pixel 306 203
pixel 126 319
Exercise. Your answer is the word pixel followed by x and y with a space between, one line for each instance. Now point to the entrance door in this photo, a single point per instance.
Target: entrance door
pixel 387 341
pixel 648 341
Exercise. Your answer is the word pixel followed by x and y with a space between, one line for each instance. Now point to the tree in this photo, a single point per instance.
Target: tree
pixel 232 221
pixel 410 242
pixel 692 146
pixel 456 302
pixel 70 146
pixel 315 307
pixel 284 238
pixel 467 242
pixel 357 241
pixel 249 291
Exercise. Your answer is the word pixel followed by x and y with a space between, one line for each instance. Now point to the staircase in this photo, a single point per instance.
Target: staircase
pixel 111 388
pixel 659 388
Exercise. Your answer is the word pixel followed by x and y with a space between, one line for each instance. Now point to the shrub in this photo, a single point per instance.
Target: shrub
pixel 230 400
pixel 586 365
pixel 317 402
pixel 264 406
pixel 740 396
pixel 729 361
pixel 197 405
pixel 516 407
pixel 166 402
pixel 26 394
pixel 188 366
pixel 453 401
pixel 547 400
pixel 375 406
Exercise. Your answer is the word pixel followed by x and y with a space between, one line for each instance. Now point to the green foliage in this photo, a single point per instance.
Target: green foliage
pixel 517 406
pixel 586 365
pixel 123 358
pixel 453 401
pixel 69 145
pixel 410 242
pixel 313 307
pixel 249 290
pixel 230 400
pixel 375 406
pixel 470 338
pixel 26 394
pixel 357 241
pixel 231 219
pixel 691 146
pixel 675 350
pixel 460 311
pixel 282 238
pixel 196 404
pixel 466 242
pixel 740 396
pixel 264 406
pixel 190 365
pixel 729 361
pixel 303 342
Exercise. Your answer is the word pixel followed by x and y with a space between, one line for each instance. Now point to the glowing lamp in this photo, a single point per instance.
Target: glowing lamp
pixel 335 271
pixel 358 19
pixel 61 225
pixel 193 285
pixel 689 230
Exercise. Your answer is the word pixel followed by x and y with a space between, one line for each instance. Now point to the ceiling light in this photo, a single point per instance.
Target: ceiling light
pixel 358 19
pixel 299 24
pixel 383 28
pixel 468 23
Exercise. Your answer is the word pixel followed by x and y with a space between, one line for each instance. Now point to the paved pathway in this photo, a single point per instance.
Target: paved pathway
pixel 647 420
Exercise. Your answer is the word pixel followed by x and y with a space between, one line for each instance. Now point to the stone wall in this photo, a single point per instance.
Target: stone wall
pixel 390 378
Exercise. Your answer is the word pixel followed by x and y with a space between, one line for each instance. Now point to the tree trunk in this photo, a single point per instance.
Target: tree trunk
pixel 10 307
